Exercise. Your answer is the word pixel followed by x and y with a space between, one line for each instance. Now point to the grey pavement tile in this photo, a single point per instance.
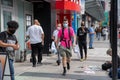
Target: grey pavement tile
pixel 50 71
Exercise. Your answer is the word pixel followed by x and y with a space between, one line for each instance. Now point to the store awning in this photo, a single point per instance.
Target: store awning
pixel 95 9
pixel 67 5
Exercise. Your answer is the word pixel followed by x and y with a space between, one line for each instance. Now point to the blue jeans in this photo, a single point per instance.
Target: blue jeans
pixel 99 36
pixel 91 37
pixel 11 69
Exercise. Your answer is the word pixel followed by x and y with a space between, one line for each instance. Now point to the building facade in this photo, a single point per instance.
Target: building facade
pixel 48 12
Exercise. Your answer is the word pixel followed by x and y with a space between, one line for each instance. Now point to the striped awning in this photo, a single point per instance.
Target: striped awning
pixel 95 9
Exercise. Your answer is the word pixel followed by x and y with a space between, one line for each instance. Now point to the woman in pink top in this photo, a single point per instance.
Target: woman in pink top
pixel 65 36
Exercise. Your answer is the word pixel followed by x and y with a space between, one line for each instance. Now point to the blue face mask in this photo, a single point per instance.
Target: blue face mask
pixel 65 25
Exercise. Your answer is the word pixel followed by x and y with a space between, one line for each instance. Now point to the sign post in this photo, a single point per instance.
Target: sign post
pixel 113 37
pixel 4 67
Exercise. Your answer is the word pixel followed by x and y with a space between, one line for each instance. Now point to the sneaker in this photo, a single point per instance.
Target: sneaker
pixel 34 66
pixel 81 60
pixel 39 63
pixel 91 48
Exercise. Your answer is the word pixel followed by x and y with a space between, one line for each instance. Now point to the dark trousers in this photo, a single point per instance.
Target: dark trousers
pixel 36 48
pixel 83 45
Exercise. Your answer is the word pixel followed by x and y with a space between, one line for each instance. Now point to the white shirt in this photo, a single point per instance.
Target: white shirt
pixel 55 34
pixel 35 33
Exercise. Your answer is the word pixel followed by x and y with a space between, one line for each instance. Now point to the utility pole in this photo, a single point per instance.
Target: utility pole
pixel 113 27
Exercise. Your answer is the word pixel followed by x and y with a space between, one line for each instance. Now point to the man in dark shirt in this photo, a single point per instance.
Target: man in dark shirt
pixel 9 43
pixel 82 40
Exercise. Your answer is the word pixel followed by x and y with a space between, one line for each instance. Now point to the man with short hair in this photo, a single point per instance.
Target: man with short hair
pixel 36 35
pixel 9 43
pixel 64 37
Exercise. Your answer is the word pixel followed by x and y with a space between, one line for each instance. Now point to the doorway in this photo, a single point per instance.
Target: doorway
pixel 42 12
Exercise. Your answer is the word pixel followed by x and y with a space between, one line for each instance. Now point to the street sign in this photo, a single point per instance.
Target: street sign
pixel 4 67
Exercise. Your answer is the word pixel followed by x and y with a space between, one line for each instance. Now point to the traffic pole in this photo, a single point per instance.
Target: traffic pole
pixel 113 26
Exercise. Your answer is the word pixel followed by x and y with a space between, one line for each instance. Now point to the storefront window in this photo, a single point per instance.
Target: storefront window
pixel 7 16
pixel 28 21
pixel 7 2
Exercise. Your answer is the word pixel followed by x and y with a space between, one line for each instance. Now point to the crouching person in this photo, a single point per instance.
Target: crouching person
pixel 108 64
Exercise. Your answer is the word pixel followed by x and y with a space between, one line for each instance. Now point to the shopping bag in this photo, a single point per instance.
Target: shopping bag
pixel 53 48
pixel 76 50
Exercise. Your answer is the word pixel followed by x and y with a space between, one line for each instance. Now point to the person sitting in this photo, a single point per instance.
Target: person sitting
pixel 108 64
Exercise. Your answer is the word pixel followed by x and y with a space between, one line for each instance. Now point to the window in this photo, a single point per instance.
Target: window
pixel 7 16
pixel 7 2
pixel 28 21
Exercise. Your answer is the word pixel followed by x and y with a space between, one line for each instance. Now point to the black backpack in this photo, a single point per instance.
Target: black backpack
pixel 106 66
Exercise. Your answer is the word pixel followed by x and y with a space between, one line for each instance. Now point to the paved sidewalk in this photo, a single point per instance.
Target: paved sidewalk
pixel 86 70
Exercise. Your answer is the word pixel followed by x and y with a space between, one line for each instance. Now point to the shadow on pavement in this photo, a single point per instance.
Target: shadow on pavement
pixel 68 76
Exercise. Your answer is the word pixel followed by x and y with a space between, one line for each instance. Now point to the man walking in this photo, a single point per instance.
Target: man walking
pixel 9 43
pixel 64 37
pixel 36 35
pixel 82 40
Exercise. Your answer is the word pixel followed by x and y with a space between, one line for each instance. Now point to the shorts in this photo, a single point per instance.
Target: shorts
pixel 65 52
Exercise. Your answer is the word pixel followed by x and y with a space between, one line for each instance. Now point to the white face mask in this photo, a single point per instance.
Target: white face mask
pixel 65 25
pixel 58 28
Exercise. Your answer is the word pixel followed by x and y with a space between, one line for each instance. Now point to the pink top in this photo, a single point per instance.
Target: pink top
pixel 66 36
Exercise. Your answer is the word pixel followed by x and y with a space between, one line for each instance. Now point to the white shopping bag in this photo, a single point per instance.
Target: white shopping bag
pixel 77 51
pixel 53 47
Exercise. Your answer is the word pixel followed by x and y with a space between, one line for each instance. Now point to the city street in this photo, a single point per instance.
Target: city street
pixel 86 70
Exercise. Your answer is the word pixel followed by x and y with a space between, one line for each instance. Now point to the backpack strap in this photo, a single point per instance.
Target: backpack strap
pixel 69 37
pixel 62 36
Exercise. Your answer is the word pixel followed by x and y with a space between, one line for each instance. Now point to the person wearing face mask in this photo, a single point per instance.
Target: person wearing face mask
pixel 54 42
pixel 55 32
pixel 64 37
pixel 9 43
pixel 82 40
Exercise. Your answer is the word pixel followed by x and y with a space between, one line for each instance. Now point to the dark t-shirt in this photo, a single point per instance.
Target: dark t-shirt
pixel 8 38
pixel 82 36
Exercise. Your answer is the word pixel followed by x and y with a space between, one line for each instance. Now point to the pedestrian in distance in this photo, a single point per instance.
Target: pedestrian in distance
pixel 9 43
pixel 36 35
pixel 91 36
pixel 82 40
pixel 98 30
pixel 104 33
pixel 65 36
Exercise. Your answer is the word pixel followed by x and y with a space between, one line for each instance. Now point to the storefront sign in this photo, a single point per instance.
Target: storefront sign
pixel 82 4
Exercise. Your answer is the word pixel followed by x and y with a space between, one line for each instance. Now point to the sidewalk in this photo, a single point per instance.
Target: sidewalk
pixel 86 70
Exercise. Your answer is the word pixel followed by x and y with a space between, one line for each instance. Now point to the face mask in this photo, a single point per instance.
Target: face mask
pixel 12 31
pixel 65 25
pixel 58 28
